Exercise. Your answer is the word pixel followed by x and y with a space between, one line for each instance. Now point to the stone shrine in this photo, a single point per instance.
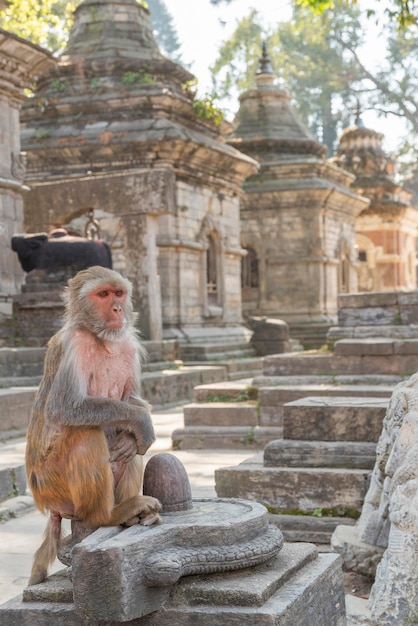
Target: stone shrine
pixel 386 230
pixel 297 216
pixel 210 561
pixel 21 63
pixel 115 128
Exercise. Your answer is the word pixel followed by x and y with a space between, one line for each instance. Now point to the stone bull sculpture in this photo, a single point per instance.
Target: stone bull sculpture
pixel 58 249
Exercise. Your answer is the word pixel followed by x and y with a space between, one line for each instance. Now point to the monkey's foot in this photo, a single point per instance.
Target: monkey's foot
pixel 147 513
pixel 78 533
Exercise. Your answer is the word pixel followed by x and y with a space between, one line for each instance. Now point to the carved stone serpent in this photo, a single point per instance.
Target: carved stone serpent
pixel 168 566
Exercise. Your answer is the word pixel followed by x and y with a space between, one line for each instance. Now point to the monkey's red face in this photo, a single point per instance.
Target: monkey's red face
pixel 109 302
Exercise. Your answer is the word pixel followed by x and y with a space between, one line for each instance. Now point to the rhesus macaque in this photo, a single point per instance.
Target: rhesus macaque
pixel 89 422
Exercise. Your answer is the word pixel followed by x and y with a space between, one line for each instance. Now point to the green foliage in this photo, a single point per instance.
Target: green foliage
pixel 164 29
pixel 206 109
pixel 318 57
pixel 44 23
pixel 140 77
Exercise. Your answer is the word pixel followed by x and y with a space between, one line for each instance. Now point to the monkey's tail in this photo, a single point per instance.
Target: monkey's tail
pixel 47 551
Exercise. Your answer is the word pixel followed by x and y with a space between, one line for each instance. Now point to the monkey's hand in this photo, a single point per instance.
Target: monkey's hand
pixel 142 427
pixel 124 447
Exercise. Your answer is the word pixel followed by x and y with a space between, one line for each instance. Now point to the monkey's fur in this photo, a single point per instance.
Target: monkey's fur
pixel 89 422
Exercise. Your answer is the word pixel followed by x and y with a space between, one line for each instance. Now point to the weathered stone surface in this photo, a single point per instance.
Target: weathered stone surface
pixel 244 437
pixel 165 478
pixel 389 520
pixel 298 587
pixel 359 347
pixel 237 390
pixel 349 454
pixel 282 489
pixel 15 407
pixel 221 414
pixel 127 575
pixel 312 528
pixel 334 419
pixel 358 555
pixel 272 399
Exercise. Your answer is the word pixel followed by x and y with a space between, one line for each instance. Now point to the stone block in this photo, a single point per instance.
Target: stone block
pixel 15 407
pixel 367 300
pixel 221 414
pixel 376 346
pixel 334 419
pixel 312 528
pixel 236 390
pixel 356 554
pixel 272 399
pixel 407 346
pixel 290 453
pixel 283 489
pixel 242 437
pixel 373 316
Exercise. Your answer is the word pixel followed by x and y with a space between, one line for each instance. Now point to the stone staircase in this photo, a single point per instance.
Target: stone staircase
pixel 323 411
pixel 319 468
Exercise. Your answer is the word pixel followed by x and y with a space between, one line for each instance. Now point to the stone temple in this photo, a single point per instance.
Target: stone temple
pixel 114 128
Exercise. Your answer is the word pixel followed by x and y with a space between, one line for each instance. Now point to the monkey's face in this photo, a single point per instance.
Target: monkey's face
pixel 108 301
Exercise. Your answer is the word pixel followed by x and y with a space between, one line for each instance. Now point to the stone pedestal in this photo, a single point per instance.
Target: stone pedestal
pixel 220 562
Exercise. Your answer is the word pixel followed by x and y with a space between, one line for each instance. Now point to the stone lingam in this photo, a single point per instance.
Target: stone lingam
pixel 211 561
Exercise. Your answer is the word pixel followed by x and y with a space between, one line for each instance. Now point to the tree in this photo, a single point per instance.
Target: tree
pixel 164 29
pixel 302 52
pixel 320 58
pixel 44 23
pixel 404 12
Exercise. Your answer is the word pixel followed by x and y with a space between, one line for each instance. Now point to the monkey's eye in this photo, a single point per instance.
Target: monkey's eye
pixel 119 293
pixel 103 294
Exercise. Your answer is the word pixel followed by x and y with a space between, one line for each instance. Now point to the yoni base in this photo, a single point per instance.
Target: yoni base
pixel 298 587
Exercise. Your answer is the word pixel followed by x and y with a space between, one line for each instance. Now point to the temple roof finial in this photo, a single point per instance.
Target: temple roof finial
pixel 357 111
pixel 265 64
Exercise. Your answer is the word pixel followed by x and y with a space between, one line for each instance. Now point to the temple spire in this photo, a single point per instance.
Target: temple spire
pixel 265 63
pixel 357 111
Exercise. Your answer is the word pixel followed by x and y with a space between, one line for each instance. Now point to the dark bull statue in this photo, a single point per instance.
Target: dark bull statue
pixel 59 250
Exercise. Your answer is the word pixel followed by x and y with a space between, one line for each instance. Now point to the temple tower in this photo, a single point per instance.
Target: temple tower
pixel 116 129
pixel 386 231
pixel 297 215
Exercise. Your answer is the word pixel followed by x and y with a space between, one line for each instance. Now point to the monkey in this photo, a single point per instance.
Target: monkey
pixel 89 423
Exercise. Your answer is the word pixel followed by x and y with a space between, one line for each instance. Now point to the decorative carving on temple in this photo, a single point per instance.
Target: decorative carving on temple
pixel 18 165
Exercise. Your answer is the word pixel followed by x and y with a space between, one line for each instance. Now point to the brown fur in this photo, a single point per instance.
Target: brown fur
pixel 89 422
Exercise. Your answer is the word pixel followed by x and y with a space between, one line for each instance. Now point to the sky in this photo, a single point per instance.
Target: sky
pixel 201 28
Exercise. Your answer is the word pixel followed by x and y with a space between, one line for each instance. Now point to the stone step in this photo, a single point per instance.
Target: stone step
pixel 12 469
pixel 336 333
pixel 311 528
pixel 214 351
pixel 227 437
pixel 221 414
pixel 15 408
pixel 348 454
pixel 334 418
pixel 376 346
pixel 177 384
pixel 226 391
pixel 21 362
pixel 328 379
pixel 289 489
pixel 400 362
pixel 271 399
